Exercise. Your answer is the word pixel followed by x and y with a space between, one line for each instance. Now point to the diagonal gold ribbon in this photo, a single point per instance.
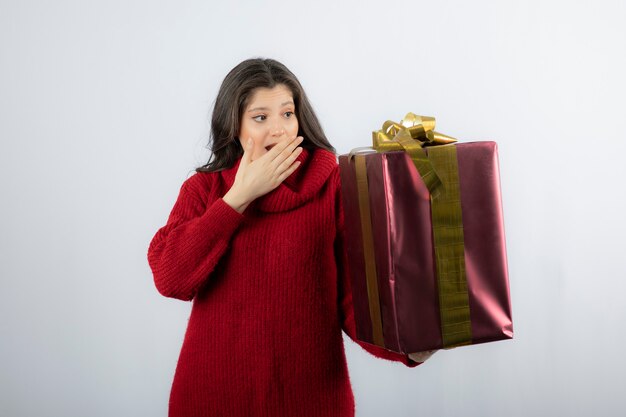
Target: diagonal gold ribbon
pixel 439 171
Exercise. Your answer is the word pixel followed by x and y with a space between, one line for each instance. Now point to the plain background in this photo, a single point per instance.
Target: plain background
pixel 104 110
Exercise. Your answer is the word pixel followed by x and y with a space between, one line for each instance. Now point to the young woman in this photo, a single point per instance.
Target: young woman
pixel 256 240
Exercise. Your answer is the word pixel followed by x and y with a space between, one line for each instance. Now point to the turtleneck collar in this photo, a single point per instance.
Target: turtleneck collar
pixel 302 185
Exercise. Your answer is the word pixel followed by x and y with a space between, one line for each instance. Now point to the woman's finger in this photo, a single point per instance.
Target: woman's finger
pixel 284 146
pixel 286 164
pixel 247 152
pixel 289 171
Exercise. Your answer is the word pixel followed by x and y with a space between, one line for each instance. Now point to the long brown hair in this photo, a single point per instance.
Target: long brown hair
pixel 233 98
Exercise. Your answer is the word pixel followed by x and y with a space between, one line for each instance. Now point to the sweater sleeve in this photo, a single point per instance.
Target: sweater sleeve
pixel 346 307
pixel 183 253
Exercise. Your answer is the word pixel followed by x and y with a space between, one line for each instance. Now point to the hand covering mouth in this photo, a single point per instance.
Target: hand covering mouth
pixel 268 147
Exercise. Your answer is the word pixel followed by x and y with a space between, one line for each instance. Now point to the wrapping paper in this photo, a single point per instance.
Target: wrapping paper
pixel 403 306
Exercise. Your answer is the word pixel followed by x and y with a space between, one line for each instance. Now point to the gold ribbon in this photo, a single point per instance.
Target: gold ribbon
pixel 439 171
pixel 368 251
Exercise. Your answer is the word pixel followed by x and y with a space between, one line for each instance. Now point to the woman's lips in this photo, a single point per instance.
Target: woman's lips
pixel 268 147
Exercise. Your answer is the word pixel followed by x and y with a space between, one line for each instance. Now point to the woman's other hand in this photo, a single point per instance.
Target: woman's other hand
pixel 422 356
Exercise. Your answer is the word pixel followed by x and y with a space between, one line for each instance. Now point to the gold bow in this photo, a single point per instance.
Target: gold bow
pixel 421 128
pixel 411 135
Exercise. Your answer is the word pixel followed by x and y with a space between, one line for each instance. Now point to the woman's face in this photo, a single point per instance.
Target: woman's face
pixel 270 118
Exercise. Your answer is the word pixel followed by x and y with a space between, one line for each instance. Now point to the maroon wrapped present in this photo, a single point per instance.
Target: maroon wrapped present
pixel 425 240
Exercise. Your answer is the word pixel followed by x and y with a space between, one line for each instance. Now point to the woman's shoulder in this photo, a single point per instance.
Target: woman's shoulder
pixel 201 183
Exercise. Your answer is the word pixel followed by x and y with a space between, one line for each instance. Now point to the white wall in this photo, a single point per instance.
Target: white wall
pixel 104 110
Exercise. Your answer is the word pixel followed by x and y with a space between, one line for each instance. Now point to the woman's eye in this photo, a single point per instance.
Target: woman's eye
pixel 264 117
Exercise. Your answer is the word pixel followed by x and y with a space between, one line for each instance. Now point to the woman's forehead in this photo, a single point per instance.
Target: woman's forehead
pixel 262 97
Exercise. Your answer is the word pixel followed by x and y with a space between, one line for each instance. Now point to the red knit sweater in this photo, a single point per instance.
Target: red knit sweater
pixel 271 295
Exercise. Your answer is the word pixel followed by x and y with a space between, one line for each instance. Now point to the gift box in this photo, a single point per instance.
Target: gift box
pixel 425 239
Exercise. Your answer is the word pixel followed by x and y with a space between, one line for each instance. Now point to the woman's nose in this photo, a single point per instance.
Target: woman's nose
pixel 278 131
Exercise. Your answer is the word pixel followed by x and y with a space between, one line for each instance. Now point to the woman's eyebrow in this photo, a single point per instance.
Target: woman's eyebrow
pixel 266 108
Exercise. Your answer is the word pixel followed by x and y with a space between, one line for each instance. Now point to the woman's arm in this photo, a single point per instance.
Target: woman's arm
pixel 185 251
